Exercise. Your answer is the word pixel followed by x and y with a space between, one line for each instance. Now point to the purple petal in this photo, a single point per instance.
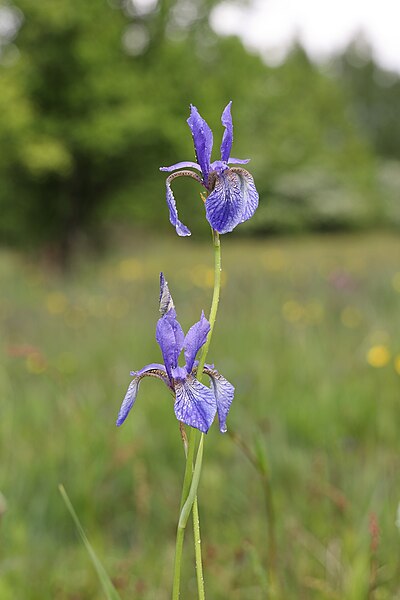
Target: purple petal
pixel 249 193
pixel 150 367
pixel 238 161
pixel 170 337
pixel 181 229
pixel 225 204
pixel 166 302
pixel 224 392
pixel 195 338
pixel 195 404
pixel 202 139
pixel 227 138
pixel 179 373
pixel 219 166
pixel 128 401
pixel 181 165
pixel 152 370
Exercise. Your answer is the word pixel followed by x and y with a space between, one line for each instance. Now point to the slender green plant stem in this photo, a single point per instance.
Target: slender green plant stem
pixel 212 318
pixel 214 303
pixel 180 532
pixel 187 507
pixel 183 518
pixel 191 477
pixel 197 550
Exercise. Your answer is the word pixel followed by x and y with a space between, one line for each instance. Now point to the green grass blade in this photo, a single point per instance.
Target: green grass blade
pixel 107 585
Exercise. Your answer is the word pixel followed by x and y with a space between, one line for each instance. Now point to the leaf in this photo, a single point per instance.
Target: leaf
pixel 107 585
pixel 187 507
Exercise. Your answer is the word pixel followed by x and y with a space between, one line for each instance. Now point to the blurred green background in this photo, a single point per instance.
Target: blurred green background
pixel 94 97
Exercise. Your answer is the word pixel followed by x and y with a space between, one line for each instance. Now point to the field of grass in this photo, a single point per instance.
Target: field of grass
pixel 308 332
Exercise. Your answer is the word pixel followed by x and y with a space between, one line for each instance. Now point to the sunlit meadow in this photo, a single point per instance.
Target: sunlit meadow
pixel 308 331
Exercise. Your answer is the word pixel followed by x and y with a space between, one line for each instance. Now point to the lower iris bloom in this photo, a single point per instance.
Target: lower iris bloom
pixel 195 404
pixel 233 197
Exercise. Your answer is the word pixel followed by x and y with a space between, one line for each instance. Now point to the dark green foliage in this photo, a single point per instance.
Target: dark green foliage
pixel 375 96
pixel 94 99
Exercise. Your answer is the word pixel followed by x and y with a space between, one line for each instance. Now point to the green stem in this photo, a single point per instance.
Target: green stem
pixel 214 303
pixel 178 558
pixel 191 477
pixel 212 318
pixel 180 533
pixel 197 550
pixel 187 507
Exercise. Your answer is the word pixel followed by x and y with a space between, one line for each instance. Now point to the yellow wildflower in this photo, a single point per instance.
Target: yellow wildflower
pixel 378 356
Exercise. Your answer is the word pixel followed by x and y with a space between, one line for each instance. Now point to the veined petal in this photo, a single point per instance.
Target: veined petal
pixel 170 336
pixel 166 302
pixel 238 161
pixel 248 191
pixel 181 229
pixel 128 401
pixel 181 165
pixel 152 370
pixel 225 204
pixel 195 338
pixel 202 140
pixel 227 138
pixel 195 404
pixel 224 392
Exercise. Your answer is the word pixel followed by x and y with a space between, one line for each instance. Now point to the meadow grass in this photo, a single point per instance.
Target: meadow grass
pixel 309 333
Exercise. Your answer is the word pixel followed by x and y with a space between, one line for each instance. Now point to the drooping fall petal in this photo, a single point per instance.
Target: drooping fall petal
pixel 195 404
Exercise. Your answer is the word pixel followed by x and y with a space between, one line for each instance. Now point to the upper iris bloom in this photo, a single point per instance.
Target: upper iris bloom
pixel 195 404
pixel 233 197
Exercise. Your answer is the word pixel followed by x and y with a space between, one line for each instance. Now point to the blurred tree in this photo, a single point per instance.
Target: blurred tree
pixel 374 94
pixel 316 167
pixel 80 113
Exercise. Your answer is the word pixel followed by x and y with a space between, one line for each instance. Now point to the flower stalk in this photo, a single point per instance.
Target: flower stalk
pixel 192 475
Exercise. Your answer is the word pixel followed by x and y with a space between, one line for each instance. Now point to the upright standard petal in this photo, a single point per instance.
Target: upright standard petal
pixel 227 138
pixel 166 302
pixel 181 229
pixel 202 140
pixel 224 392
pixel 195 338
pixel 225 204
pixel 195 404
pixel 169 336
pixel 248 191
pixel 152 370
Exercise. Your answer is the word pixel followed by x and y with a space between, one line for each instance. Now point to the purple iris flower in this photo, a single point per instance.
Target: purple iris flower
pixel 195 404
pixel 233 197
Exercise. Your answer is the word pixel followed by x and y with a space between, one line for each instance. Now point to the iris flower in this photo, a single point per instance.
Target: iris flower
pixel 195 403
pixel 232 195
